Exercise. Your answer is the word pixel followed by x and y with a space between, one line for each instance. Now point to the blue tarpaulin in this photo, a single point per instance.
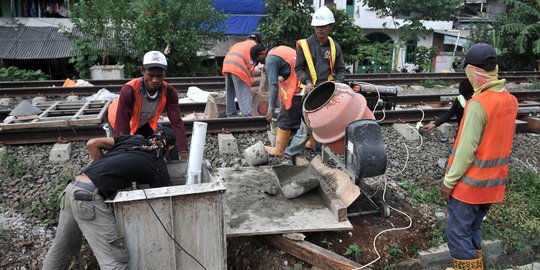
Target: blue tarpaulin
pixel 243 16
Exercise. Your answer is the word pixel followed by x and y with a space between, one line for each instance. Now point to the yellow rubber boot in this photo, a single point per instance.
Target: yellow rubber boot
pixel 282 140
pixel 474 264
pixel 311 143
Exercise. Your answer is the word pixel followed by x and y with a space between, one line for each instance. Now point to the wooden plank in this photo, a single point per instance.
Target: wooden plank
pixel 311 253
pixel 81 110
pixel 250 211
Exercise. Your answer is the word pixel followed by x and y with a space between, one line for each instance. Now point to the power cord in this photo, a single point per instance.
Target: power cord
pixel 148 201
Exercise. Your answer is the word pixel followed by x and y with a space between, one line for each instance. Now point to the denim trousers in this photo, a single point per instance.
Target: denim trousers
pixel 93 218
pixel 236 88
pixel 464 228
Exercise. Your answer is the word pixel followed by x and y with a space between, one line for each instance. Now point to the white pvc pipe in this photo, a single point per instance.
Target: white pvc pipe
pixel 198 139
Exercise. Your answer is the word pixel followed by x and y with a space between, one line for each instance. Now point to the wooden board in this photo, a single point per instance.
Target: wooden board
pixel 62 114
pixel 250 211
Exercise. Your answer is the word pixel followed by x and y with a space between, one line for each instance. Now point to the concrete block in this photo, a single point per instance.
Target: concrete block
pixel 407 132
pixel 5 101
pixel 448 129
pixel 72 98
pixel 521 126
pixel 38 100
pixel 271 138
pixel 227 144
pixel 60 153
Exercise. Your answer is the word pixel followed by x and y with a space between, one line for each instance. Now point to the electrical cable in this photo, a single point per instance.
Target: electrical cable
pixel 162 225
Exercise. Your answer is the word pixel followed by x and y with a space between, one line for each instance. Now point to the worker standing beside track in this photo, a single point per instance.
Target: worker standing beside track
pixel 238 70
pixel 318 59
pixel 279 63
pixel 83 210
pixel 143 100
pixel 478 166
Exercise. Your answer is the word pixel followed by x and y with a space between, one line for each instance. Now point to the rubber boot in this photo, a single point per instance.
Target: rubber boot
pixel 474 264
pixel 312 143
pixel 282 140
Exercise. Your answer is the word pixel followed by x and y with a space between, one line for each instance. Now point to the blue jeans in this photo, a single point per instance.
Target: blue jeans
pixel 464 228
pixel 235 87
pixel 275 66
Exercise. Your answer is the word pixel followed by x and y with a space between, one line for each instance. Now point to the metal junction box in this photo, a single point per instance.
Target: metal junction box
pixel 192 214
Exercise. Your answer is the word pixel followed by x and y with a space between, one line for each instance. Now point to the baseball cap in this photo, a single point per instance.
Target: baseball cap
pixel 481 55
pixel 153 59
pixel 255 35
pixel 255 51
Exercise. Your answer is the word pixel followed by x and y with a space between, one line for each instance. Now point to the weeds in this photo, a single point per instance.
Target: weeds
pixel 11 167
pixel 433 83
pixel 327 243
pixel 355 250
pixel 437 234
pixel 423 192
pixel 395 251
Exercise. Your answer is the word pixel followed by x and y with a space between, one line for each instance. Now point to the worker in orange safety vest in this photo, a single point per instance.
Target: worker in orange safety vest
pixel 478 166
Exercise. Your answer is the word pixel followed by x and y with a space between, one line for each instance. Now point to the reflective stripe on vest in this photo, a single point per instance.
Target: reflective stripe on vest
pixel 485 179
pixel 135 116
pixel 237 61
pixel 462 100
pixel 303 43
pixel 291 85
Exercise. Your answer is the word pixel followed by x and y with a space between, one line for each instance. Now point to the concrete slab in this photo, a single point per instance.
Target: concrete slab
pixel 60 153
pixel 448 129
pixel 227 144
pixel 407 132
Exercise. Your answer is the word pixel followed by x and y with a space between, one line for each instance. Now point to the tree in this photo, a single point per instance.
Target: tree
pixel 289 21
pixel 519 32
pixel 183 30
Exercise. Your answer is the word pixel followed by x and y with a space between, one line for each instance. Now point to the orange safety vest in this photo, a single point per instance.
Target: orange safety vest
pixel 136 114
pixel 303 43
pixel 238 61
pixel 485 180
pixel 291 85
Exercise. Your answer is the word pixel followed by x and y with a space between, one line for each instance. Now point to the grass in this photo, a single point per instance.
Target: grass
pixel 423 192
pixel 11 167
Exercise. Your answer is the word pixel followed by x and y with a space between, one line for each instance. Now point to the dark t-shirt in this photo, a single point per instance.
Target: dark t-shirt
pixel 122 165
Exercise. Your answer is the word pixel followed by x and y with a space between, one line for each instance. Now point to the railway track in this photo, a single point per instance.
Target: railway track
pixel 53 88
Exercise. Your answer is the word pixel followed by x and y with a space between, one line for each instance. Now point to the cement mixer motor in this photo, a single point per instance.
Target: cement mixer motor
pixel 384 96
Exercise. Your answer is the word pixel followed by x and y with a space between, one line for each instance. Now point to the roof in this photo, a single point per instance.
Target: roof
pixel 29 41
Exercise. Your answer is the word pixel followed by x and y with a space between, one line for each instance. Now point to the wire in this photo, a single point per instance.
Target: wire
pixel 148 201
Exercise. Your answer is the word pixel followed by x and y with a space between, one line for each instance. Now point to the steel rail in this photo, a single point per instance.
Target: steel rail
pixel 241 124
pixel 433 75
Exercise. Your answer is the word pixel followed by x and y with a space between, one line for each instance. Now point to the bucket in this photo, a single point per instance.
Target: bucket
pixel 329 108
pixel 256 154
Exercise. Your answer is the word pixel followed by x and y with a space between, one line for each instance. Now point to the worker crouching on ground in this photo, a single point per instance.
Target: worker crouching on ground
pixel 466 91
pixel 83 210
pixel 238 70
pixel 143 100
pixel 478 165
pixel 318 59
pixel 279 63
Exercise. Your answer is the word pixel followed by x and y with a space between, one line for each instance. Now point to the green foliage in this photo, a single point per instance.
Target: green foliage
pixel 50 201
pixel 126 30
pixel 414 251
pixel 286 23
pixel 433 83
pixel 517 219
pixel 327 243
pixel 16 74
pixel 355 250
pixel 11 167
pixel 518 33
pixel 378 56
pixel 395 251
pixel 423 192
pixel 420 9
pixel 437 234
pixel 423 56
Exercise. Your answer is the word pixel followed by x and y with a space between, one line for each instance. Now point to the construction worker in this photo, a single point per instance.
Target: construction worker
pixel 458 106
pixel 83 210
pixel 478 166
pixel 279 63
pixel 144 99
pixel 238 70
pixel 318 59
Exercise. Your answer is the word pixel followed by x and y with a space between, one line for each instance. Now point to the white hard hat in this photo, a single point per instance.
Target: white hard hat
pixel 154 59
pixel 322 16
